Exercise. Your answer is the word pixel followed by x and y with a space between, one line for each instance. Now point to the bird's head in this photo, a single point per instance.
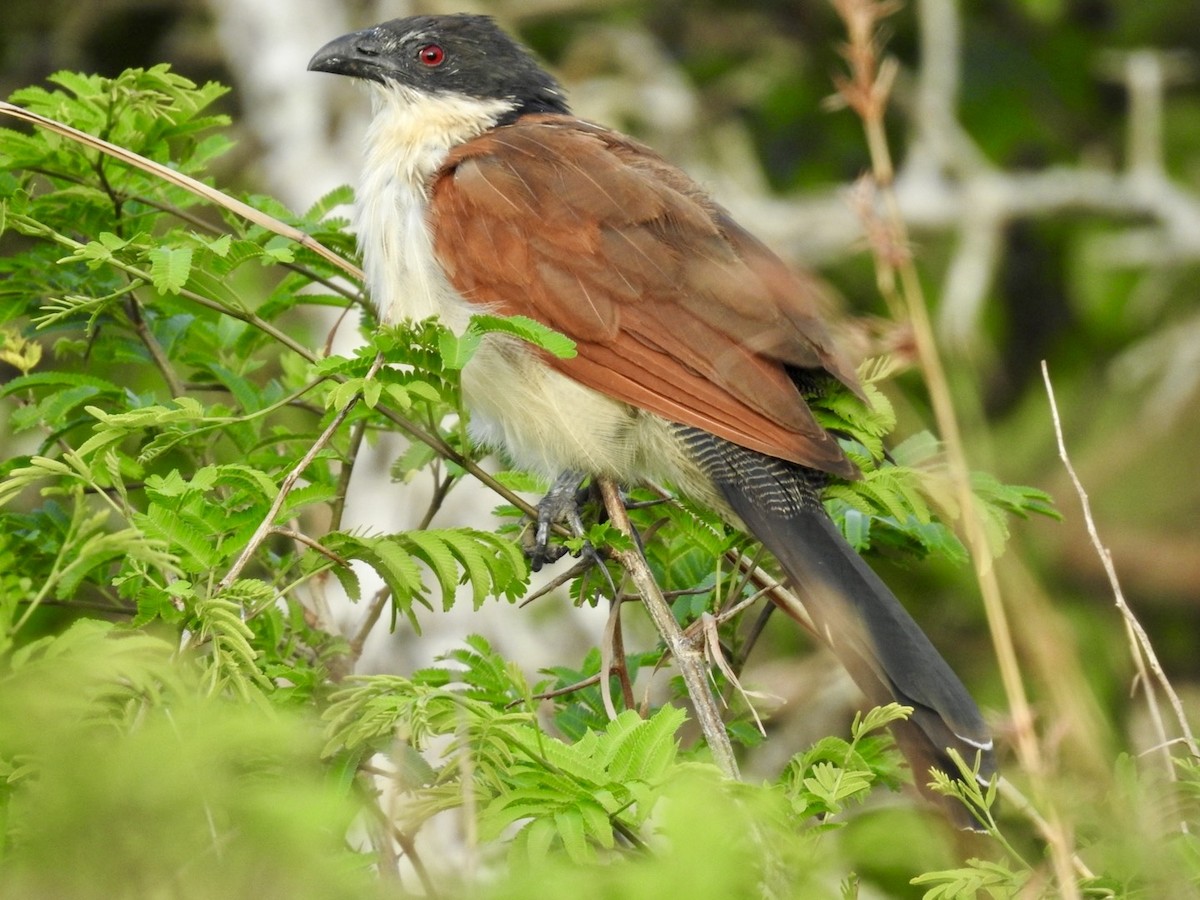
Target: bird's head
pixel 456 56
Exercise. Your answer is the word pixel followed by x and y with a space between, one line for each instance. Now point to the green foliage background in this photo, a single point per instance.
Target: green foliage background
pixel 175 720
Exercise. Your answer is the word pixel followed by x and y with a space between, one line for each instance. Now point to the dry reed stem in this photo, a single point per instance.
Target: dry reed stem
pixel 866 91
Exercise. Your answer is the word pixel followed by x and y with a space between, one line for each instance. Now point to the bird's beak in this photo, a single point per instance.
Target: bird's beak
pixel 359 55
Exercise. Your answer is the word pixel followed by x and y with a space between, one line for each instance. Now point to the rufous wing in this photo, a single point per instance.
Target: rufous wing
pixel 673 307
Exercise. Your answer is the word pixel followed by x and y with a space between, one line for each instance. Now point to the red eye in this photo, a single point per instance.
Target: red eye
pixel 431 55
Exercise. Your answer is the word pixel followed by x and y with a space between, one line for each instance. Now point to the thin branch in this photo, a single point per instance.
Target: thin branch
pixel 751 638
pixel 338 507
pixel 612 660
pixel 301 538
pixel 1142 650
pixel 558 581
pixel 445 451
pixel 265 527
pixel 743 579
pixel 409 846
pixel 441 489
pixel 201 225
pixel 725 615
pixel 622 665
pixel 374 611
pixel 134 309
pixel 688 656
pixel 588 682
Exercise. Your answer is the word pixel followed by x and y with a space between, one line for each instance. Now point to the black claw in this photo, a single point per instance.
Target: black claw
pixel 560 504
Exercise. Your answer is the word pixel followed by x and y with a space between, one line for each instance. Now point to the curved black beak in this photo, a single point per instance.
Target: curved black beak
pixel 358 55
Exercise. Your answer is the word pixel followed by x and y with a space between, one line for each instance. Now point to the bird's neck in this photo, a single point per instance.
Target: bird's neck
pixel 407 141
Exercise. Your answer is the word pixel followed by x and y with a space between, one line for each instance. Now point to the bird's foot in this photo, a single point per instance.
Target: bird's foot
pixel 560 504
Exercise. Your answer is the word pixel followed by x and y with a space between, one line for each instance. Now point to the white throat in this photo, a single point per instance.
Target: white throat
pixel 409 136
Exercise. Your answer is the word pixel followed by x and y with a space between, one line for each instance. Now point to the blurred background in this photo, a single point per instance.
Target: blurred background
pixel 1049 169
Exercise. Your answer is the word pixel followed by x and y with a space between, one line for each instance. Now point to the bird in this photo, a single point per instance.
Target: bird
pixel 696 346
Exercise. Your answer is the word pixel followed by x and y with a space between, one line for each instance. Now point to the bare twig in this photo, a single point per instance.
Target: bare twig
pixel 370 618
pixel 689 656
pixel 409 846
pixel 558 581
pixel 1144 657
pixel 301 538
pixel 266 526
pixel 559 692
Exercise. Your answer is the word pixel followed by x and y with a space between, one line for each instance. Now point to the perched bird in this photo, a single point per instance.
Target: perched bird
pixel 481 192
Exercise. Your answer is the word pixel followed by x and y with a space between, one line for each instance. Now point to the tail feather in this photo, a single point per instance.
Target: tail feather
pixel 884 650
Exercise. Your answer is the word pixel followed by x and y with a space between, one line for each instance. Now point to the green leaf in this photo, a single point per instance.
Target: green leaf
pixel 339 196
pixel 170 268
pixel 569 824
pixel 978 878
pixel 642 750
pixel 180 533
pixel 234 661
pixel 528 330
pixel 457 350
pixel 431 548
pixel 877 718
pixel 390 559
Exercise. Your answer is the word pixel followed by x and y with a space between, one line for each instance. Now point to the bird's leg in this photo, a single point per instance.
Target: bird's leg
pixel 559 504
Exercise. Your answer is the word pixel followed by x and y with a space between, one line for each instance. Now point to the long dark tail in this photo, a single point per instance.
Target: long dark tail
pixel 873 636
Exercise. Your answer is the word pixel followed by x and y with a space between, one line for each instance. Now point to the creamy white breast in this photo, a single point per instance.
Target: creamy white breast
pixel 409 137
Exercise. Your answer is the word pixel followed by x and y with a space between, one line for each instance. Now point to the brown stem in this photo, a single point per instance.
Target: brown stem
pixel 338 507
pixel 134 309
pixel 265 527
pixel 689 656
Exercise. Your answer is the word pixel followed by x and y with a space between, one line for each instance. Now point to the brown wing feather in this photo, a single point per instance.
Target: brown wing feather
pixel 674 308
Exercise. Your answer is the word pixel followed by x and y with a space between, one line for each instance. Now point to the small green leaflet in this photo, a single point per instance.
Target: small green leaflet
pixel 170 268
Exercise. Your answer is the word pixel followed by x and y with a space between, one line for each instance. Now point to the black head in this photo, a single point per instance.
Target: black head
pixel 459 54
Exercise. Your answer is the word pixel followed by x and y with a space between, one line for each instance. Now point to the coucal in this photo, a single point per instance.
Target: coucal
pixel 481 192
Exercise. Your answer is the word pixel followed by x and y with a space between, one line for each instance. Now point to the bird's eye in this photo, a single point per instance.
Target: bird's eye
pixel 431 55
